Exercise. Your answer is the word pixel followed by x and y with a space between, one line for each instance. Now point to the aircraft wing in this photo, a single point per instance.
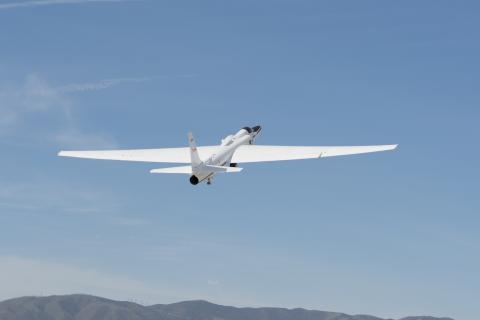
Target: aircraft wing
pixel 244 154
pixel 172 155
pixel 259 153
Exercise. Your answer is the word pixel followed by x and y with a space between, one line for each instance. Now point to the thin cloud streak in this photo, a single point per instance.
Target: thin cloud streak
pixel 39 3
pixel 48 278
pixel 21 104
pixel 104 84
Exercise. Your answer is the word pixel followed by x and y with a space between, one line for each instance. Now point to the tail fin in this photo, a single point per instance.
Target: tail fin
pixel 194 157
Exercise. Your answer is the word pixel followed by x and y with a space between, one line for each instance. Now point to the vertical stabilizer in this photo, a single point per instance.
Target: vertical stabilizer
pixel 194 157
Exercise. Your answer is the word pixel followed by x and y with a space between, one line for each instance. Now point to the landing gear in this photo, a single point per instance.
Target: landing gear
pixel 209 181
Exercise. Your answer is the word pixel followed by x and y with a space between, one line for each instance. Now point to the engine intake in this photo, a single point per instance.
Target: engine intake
pixel 194 180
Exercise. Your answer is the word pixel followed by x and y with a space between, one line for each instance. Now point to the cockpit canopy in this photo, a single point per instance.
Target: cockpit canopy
pixel 247 130
pixel 242 132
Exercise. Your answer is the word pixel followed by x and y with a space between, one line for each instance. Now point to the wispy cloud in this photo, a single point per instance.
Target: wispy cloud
pixel 20 276
pixel 34 95
pixel 38 195
pixel 22 105
pixel 104 84
pixel 39 3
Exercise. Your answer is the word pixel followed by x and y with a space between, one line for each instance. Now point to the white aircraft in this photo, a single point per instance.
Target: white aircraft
pixel 205 162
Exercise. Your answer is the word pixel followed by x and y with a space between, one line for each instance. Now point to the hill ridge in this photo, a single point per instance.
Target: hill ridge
pixel 90 307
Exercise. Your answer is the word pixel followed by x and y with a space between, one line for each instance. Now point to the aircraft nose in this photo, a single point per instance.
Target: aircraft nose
pixel 257 129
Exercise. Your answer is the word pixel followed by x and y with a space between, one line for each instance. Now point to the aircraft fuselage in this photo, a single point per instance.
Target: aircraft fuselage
pixel 224 154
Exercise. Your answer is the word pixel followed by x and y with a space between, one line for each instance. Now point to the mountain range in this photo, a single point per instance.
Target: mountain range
pixel 86 307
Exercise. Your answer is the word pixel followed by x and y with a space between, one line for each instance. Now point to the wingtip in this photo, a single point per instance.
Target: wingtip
pixel 61 153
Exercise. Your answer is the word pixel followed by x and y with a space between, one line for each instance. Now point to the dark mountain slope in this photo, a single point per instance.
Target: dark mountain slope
pixel 84 307
pixel 203 310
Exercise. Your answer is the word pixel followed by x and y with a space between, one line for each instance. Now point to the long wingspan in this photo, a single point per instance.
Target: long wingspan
pixel 245 153
pixel 170 155
pixel 259 153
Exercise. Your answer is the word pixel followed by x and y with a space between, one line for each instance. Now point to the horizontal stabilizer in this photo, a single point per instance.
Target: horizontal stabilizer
pixel 181 170
pixel 188 169
pixel 220 169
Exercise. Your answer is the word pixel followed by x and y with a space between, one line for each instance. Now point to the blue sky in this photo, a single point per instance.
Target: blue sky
pixel 390 234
